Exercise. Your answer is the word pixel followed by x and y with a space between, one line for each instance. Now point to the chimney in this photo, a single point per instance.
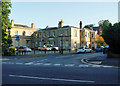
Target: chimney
pixel 80 24
pixel 12 22
pixel 33 25
pixel 47 26
pixel 60 24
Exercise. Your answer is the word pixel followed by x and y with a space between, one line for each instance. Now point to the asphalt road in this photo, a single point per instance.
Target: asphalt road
pixel 65 69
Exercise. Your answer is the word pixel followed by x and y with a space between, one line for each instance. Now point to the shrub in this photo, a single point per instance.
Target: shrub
pixel 12 50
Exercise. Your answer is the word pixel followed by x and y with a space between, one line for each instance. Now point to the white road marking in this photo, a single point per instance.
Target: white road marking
pixel 30 63
pixel 97 62
pixel 69 65
pixel 83 66
pixel 19 63
pixel 95 65
pixel 56 64
pixel 4 62
pixel 106 66
pixel 55 79
pixel 38 63
pixel 46 64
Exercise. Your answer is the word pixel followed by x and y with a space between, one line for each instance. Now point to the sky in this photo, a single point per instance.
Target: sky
pixel 50 13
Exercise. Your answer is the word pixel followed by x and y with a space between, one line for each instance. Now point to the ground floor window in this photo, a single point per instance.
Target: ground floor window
pixel 66 43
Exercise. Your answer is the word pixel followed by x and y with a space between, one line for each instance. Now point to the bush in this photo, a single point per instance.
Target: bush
pixel 12 50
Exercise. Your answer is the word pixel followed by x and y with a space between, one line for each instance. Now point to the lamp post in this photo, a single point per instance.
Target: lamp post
pixel 61 43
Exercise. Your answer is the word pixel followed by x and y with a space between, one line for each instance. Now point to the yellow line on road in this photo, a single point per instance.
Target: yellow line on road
pixel 82 60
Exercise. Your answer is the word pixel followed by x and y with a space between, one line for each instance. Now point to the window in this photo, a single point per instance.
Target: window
pixel 82 34
pixel 89 35
pixel 35 44
pixel 100 32
pixel 86 34
pixel 92 35
pixel 39 35
pixel 36 35
pixel 23 33
pixel 66 32
pixel 75 33
pixel 66 43
pixel 53 33
pixel 16 32
pixel 53 43
pixel 60 43
pixel 40 44
pixel 48 42
pixel 48 34
pixel 43 34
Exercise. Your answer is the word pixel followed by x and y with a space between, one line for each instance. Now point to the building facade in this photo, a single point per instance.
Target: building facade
pixel 22 34
pixel 65 37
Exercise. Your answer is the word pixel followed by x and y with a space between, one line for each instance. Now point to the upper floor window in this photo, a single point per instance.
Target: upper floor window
pixel 92 35
pixel 86 34
pixel 48 34
pixel 23 33
pixel 100 32
pixel 66 32
pixel 39 35
pixel 75 33
pixel 30 33
pixel 82 34
pixel 16 32
pixel 89 35
pixel 53 33
pixel 53 43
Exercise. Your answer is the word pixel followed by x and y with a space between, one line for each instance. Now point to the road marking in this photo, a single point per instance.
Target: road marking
pixel 97 62
pixel 106 66
pixel 56 64
pixel 19 63
pixel 46 64
pixel 38 63
pixel 96 66
pixel 69 65
pixel 83 66
pixel 29 63
pixel 55 79
pixel 4 59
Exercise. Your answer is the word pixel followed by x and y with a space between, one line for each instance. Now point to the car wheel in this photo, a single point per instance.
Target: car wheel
pixel 85 51
pixel 90 51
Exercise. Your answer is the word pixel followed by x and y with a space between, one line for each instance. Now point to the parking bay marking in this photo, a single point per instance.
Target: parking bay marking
pixel 54 79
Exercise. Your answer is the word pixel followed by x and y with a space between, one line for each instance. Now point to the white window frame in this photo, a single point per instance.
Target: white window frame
pixel 40 44
pixel 53 33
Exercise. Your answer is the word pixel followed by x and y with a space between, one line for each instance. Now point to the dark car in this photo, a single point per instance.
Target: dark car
pixel 105 49
pixel 99 49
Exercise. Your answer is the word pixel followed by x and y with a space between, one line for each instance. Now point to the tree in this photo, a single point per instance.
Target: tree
pixel 100 41
pixel 6 38
pixel 88 26
pixel 111 35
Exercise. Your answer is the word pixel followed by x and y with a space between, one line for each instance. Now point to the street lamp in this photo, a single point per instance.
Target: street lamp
pixel 61 43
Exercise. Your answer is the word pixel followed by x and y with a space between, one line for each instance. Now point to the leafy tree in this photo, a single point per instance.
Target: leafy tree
pixel 88 26
pixel 111 35
pixel 100 41
pixel 6 38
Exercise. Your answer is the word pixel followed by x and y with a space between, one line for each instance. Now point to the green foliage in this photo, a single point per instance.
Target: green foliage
pixel 88 26
pixel 111 35
pixel 5 24
pixel 12 50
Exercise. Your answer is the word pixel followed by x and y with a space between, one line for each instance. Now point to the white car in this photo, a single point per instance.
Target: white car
pixel 24 49
pixel 83 50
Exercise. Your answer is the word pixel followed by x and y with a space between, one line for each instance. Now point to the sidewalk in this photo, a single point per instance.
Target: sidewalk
pixel 36 55
pixel 104 61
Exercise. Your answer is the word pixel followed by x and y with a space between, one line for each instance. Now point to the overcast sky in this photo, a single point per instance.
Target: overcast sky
pixel 49 13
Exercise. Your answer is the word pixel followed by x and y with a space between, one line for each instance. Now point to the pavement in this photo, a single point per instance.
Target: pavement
pixel 101 60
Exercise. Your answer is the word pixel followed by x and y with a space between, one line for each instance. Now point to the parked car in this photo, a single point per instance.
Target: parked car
pixel 24 49
pixel 16 48
pixel 83 50
pixel 105 49
pixel 99 49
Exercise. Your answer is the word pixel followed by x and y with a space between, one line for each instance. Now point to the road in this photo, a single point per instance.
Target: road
pixel 64 69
